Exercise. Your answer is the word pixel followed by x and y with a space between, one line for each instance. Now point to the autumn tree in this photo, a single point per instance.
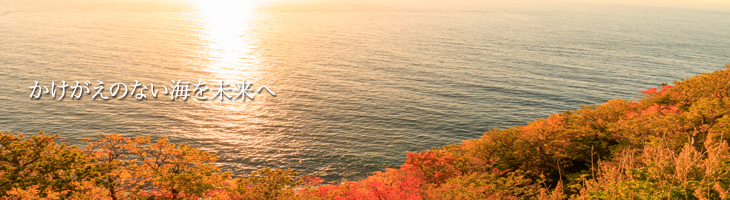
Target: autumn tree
pixel 39 163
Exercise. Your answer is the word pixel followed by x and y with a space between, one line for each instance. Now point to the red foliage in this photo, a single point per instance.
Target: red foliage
pixel 431 167
pixel 666 88
pixel 654 109
pixel 650 91
pixel 312 180
pixel 406 189
pixel 653 91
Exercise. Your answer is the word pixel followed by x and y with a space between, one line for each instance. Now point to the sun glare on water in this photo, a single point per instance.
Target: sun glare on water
pixel 230 54
pixel 228 34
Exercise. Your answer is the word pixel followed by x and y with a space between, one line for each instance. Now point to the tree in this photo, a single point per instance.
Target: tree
pixel 39 163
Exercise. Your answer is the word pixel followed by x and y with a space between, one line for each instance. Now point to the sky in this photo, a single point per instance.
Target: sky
pixel 663 2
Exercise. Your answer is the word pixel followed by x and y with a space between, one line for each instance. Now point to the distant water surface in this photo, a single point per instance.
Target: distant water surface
pixel 358 84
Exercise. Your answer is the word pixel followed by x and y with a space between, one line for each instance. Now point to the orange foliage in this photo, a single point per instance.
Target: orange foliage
pixel 670 144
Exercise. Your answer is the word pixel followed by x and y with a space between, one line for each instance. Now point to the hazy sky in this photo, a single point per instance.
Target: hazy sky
pixel 712 4
pixel 661 2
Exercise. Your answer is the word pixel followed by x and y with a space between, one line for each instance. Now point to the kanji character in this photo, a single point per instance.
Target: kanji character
pixel 221 92
pixel 180 90
pixel 244 90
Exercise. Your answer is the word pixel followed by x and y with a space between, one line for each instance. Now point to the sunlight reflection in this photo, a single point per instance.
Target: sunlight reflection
pixel 230 43
pixel 230 55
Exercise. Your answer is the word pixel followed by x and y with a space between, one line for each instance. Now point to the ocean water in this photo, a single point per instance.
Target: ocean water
pixel 358 84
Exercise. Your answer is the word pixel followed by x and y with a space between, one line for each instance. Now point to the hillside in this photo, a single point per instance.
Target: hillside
pixel 670 144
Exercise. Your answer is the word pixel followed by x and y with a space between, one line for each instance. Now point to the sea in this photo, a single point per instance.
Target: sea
pixel 350 86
